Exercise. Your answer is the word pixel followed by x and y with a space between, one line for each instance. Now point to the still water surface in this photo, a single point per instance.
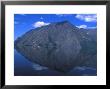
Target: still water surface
pixel 24 67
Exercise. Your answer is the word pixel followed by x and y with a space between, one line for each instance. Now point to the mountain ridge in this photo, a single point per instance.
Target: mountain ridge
pixel 60 46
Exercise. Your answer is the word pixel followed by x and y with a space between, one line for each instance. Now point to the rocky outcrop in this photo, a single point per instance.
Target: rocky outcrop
pixel 60 46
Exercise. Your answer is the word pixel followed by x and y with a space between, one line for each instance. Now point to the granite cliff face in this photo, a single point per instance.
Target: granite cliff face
pixel 60 46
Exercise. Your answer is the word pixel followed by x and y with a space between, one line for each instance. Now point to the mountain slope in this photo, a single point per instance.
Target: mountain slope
pixel 60 46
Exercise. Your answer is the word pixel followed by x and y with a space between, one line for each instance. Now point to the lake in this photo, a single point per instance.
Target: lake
pixel 24 67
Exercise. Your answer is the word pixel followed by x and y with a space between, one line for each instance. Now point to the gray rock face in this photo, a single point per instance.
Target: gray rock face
pixel 59 46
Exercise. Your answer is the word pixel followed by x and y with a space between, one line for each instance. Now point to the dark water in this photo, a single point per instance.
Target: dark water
pixel 24 67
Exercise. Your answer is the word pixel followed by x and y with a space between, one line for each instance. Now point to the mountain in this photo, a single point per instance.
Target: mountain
pixel 60 46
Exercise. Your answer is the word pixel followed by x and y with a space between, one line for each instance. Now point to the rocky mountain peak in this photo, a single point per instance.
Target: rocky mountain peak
pixel 59 46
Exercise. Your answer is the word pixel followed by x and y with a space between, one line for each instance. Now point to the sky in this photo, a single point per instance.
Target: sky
pixel 26 22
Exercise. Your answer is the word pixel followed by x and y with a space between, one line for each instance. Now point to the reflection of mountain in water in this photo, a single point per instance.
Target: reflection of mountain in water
pixel 60 46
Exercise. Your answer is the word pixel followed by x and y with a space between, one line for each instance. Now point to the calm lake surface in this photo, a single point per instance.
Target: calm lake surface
pixel 24 67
